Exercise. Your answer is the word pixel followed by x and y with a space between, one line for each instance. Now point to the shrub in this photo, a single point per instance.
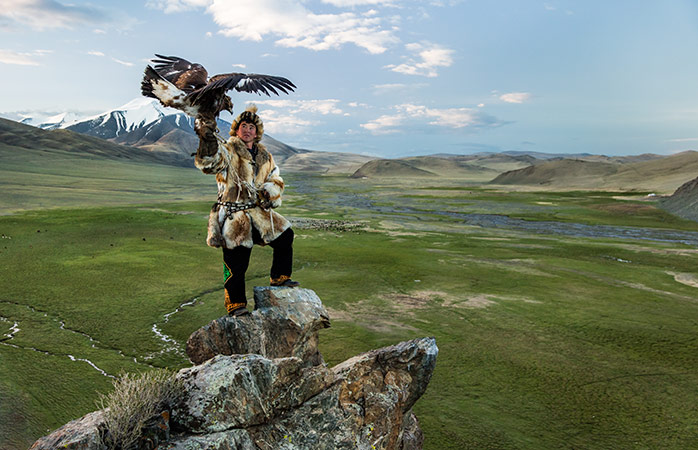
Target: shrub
pixel 136 398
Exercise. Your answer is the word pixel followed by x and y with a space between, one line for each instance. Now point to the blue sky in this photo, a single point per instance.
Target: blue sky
pixel 388 78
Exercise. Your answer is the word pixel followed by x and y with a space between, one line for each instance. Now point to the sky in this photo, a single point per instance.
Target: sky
pixel 385 77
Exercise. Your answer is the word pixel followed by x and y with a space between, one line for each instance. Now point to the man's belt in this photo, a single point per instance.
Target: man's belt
pixel 233 207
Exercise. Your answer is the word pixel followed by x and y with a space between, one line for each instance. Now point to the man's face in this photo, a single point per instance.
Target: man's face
pixel 247 132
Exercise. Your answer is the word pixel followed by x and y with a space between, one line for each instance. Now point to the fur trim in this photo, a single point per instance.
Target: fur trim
pixel 252 108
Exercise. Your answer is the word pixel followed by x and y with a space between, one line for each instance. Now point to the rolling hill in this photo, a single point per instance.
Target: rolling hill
pixel 391 168
pixel 473 168
pixel 661 175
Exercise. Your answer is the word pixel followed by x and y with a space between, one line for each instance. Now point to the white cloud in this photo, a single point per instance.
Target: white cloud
pixel 175 6
pixel 292 23
pixel 428 58
pixel 683 140
pixel 239 66
pixel 350 3
pixel 416 115
pixel 385 124
pixel 21 58
pixel 515 97
pixel 393 87
pixel 323 107
pixel 95 53
pixel 277 122
pixel 124 63
pixel 48 14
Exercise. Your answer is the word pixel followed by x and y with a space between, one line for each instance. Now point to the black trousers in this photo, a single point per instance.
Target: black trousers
pixel 237 259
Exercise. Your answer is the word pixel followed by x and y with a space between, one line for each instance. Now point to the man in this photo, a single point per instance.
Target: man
pixel 249 188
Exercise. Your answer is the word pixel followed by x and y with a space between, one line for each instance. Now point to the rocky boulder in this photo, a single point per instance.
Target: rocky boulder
pixel 278 394
pixel 285 322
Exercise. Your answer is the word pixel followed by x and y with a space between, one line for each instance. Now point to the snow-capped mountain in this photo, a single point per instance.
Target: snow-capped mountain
pixel 117 122
pixel 47 121
pixel 144 123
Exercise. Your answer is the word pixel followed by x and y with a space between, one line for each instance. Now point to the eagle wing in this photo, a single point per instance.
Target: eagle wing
pixel 242 82
pixel 156 86
pixel 184 85
pixel 180 72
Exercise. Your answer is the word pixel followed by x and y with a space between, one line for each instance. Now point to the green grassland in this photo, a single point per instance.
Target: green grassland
pixel 546 341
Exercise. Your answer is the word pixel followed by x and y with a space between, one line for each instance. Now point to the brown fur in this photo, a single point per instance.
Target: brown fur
pixel 233 169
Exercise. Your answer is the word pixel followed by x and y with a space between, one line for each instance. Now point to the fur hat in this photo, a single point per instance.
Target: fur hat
pixel 249 115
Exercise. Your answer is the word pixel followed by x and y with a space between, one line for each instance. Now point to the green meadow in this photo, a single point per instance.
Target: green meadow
pixel 546 340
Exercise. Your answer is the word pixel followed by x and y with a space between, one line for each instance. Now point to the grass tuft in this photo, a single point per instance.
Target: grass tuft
pixel 135 400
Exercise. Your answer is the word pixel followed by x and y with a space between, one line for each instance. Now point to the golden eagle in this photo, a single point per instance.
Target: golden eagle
pixel 177 83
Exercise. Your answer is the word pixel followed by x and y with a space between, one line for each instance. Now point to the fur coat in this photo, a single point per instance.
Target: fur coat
pixel 240 179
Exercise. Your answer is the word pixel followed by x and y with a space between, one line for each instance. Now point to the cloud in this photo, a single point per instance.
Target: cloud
pixel 124 63
pixel 393 87
pixel 48 14
pixel 515 97
pixel 239 66
pixel 278 122
pixel 350 3
pixel 292 23
pixel 95 53
pixel 683 140
pixel 428 58
pixel 412 115
pixel 175 6
pixel 322 107
pixel 21 58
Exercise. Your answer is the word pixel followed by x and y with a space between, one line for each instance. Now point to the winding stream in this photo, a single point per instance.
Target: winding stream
pixel 8 337
pixel 501 221
pixel 169 343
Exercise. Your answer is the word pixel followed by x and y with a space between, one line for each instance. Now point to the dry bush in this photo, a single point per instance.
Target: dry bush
pixel 136 399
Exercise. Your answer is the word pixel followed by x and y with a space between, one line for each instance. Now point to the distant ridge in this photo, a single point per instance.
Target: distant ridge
pixel 472 168
pixel 558 172
pixel 661 174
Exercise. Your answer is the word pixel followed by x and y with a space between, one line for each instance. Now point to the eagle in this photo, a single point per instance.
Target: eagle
pixel 183 85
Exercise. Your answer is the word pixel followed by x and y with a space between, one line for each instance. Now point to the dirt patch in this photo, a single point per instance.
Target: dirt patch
pixel 415 300
pixel 368 318
pixel 526 266
pixel 626 208
pixel 477 301
pixel 660 251
pixel 490 238
pixel 336 314
pixel 688 279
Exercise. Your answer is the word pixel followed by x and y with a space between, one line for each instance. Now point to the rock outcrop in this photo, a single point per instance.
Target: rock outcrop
pixel 285 322
pixel 260 383
pixel 684 201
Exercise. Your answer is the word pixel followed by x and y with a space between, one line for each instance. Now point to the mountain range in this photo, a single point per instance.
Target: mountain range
pixel 157 133
pixel 145 124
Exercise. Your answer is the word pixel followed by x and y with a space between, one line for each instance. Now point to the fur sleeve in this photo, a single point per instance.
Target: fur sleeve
pixel 274 185
pixel 215 163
